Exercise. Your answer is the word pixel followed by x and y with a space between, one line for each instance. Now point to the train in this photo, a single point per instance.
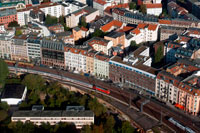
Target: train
pixel 19 64
pixel 181 126
pixel 59 77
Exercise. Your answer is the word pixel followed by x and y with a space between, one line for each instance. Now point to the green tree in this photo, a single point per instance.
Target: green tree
pixel 18 32
pixel 62 21
pixel 33 82
pixel 83 22
pixel 109 125
pixel 132 5
pixel 51 20
pixel 159 55
pixel 143 9
pixel 3 115
pixel 3 72
pixel 127 128
pixel 13 24
pixel 98 33
pixel 95 106
pixel 4 106
pixel 86 129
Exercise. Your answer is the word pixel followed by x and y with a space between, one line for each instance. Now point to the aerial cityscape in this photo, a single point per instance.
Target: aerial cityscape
pixel 100 66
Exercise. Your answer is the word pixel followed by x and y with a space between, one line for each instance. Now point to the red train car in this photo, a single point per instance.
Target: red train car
pixel 101 89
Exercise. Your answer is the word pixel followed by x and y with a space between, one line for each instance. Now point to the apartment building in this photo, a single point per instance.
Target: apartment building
pixel 100 44
pixel 118 38
pixel 134 70
pixel 144 33
pixel 101 66
pixel 34 48
pixel 154 9
pixel 53 9
pixel 189 94
pixel 167 31
pixel 78 118
pixel 168 82
pixel 19 49
pixel 88 13
pixel 167 87
pixel 90 62
pixel 75 59
pixel 128 17
pixel 52 53
pixel 69 6
pixel 8 15
pixel 101 5
pixel 5 47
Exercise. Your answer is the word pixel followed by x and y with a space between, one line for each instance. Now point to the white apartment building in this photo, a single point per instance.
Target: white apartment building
pixel 144 33
pixel 23 16
pixel 19 49
pixel 167 87
pixel 100 44
pixel 89 14
pixel 70 6
pixel 79 118
pixel 34 48
pixel 53 9
pixel 101 5
pixel 5 47
pixel 154 9
pixel 101 66
pixel 75 59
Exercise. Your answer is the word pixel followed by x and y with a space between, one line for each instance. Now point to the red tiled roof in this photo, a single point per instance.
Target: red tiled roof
pixel 101 2
pixel 153 5
pixel 136 31
pixel 163 21
pixel 84 29
pixel 152 27
pixel 141 25
pixel 127 28
pixel 107 26
pixel 109 8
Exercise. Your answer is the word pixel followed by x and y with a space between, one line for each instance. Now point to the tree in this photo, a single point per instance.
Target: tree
pixel 83 22
pixel 50 20
pixel 33 82
pixel 62 21
pixel 127 128
pixel 132 5
pixel 86 129
pixel 3 72
pixel 18 32
pixel 159 55
pixel 4 106
pixel 98 33
pixel 133 46
pixel 3 115
pixel 143 9
pixel 95 106
pixel 109 125
pixel 13 24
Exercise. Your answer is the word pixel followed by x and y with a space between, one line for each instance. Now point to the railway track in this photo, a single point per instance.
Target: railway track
pixel 122 96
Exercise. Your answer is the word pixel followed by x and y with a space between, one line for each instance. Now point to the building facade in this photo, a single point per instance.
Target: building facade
pixel 78 118
pixel 52 53
pixel 8 15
